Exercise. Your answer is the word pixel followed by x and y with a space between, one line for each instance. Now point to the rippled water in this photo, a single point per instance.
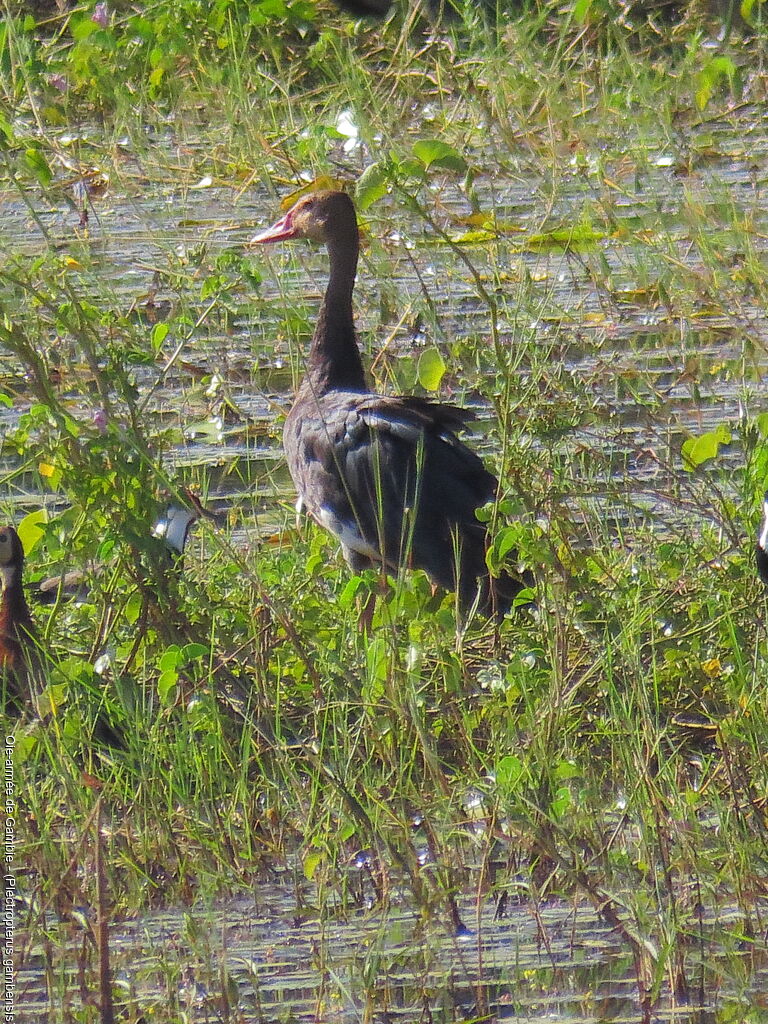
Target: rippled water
pixel 621 342
pixel 555 961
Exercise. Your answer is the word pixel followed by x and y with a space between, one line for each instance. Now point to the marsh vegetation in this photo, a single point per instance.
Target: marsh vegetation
pixel 564 228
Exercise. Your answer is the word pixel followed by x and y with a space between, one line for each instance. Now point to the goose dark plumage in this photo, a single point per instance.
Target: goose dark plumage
pixel 22 673
pixel 387 476
pixel 17 630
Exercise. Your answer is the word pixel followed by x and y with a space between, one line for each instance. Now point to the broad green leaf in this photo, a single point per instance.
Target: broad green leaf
pixel 377 658
pixel 166 686
pixel 697 450
pixel 566 770
pixel 411 168
pixel 23 747
pixel 211 430
pixel 431 369
pixel 349 593
pixel 53 697
pixel 509 772
pixel 159 334
pixel 51 474
pixel 30 529
pixel 576 238
pixel 347 831
pixel 170 659
pixel 371 185
pixel 38 165
pixel 761 422
pixel 132 609
pixel 721 67
pixel 711 75
pixel 311 862
pixel 562 802
pixel 477 237
pixel 82 27
pixel 191 652
pixel 434 153
pixel 506 540
pixel 746 9
pixel 6 134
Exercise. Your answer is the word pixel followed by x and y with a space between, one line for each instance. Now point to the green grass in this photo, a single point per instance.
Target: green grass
pixel 262 727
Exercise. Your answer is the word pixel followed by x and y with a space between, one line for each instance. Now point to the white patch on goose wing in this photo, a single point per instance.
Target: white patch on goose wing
pixel 347 533
pixel 763 539
pixel 405 429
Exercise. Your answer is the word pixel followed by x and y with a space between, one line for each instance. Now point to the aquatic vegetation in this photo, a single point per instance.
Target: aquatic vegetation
pixel 578 255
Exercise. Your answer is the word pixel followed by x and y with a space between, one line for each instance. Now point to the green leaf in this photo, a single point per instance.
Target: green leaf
pixel 478 236
pixel 431 369
pixel 349 593
pixel 311 862
pixel 721 67
pixel 697 450
pixel 192 652
pixel 566 770
pixel 23 747
pixel 132 608
pixel 6 134
pixel 411 168
pixel 30 529
pixel 434 153
pixel 347 831
pixel 747 11
pixel 82 27
pixel 711 75
pixel 506 540
pixel 581 10
pixel 158 336
pixel 38 165
pixel 54 696
pixel 761 422
pixel 377 658
pixel 562 802
pixel 166 686
pixel 210 429
pixel 525 596
pixel 371 185
pixel 509 772
pixel 575 238
pixel 170 659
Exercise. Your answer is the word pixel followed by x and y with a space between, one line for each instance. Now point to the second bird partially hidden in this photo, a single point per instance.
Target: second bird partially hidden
pixel 387 476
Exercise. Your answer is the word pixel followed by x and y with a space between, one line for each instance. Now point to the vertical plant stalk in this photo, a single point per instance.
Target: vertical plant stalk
pixel 107 1013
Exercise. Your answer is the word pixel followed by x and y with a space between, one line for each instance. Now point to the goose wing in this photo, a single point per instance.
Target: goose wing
pixel 390 478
